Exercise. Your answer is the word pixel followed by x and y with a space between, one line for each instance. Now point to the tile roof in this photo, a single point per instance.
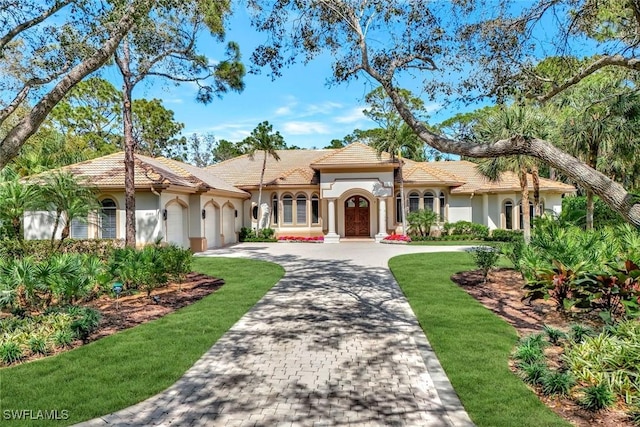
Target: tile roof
pixel 244 171
pixel 108 172
pixel 295 167
pixel 474 182
pixel 353 155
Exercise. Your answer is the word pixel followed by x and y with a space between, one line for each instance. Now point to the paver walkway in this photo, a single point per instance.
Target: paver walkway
pixel 333 343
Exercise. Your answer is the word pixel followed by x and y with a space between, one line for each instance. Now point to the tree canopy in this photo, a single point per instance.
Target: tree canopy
pixel 458 52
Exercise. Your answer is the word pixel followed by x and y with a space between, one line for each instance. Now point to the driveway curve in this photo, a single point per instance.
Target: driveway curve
pixel 333 343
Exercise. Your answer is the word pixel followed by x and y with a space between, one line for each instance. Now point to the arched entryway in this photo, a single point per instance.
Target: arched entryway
pixel 357 217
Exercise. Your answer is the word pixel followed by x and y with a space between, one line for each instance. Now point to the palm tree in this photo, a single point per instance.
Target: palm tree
pixel 399 140
pixel 64 195
pixel 507 122
pixel 263 139
pixel 16 198
pixel 603 132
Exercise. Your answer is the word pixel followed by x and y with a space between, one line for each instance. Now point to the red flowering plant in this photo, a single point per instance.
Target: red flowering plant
pixel 396 238
pixel 313 239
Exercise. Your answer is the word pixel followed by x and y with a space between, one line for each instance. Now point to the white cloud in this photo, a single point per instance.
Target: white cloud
pixel 326 107
pixel 351 116
pixel 304 128
pixel 432 107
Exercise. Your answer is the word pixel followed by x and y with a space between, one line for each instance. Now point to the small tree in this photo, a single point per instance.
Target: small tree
pixel 485 258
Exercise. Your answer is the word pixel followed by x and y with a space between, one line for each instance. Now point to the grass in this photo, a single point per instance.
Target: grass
pixel 449 243
pixel 472 344
pixel 130 366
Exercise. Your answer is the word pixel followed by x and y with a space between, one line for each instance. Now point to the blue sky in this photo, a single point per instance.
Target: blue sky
pixel 299 104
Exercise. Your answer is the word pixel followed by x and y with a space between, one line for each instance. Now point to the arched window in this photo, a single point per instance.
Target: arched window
pixel 508 215
pixel 398 208
pixel 254 212
pixel 287 209
pixel 274 208
pixel 428 201
pixel 301 209
pixel 414 201
pixel 443 203
pixel 531 212
pixel 108 219
pixel 315 209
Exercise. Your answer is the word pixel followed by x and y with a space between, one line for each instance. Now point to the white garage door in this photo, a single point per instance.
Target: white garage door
pixel 176 232
pixel 212 226
pixel 229 225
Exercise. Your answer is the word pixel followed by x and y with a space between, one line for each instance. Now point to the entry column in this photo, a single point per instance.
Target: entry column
pixel 382 219
pixel 332 236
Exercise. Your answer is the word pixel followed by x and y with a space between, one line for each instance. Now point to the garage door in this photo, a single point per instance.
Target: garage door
pixel 229 225
pixel 212 226
pixel 176 232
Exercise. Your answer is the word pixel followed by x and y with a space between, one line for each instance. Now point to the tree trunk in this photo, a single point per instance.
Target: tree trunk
pixel 612 193
pixel 590 209
pixel 535 176
pixel 524 205
pixel 56 224
pixel 12 142
pixel 123 62
pixel 264 167
pixel 593 162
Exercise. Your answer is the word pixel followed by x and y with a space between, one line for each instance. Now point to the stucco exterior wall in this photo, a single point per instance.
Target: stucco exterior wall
pixel 459 208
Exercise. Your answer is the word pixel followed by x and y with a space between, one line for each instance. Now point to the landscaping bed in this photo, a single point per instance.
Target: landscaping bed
pixel 133 310
pixel 503 294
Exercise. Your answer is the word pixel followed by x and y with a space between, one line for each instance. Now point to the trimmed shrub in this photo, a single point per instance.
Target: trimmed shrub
pixel 485 258
pixel 478 231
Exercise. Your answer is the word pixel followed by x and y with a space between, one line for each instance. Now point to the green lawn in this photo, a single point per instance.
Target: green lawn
pixel 128 367
pixel 472 344
pixel 450 243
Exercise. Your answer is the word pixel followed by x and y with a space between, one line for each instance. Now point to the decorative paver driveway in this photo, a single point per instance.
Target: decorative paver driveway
pixel 333 343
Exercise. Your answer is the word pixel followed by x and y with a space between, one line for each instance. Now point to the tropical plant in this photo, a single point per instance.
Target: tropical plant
pixel 557 382
pixel 509 122
pixel 553 334
pixel 533 372
pixel 68 198
pixel 597 397
pixel 86 321
pixel 420 221
pixel 263 139
pixel 16 199
pixel 10 352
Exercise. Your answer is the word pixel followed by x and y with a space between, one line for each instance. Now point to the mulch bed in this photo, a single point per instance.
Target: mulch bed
pixel 129 311
pixel 503 295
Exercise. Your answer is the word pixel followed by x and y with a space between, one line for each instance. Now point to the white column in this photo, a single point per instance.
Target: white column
pixel 485 209
pixel 332 237
pixel 382 219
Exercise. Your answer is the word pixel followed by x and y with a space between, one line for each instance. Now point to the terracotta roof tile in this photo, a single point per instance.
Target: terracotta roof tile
pixel 244 171
pixel 354 154
pixel 108 172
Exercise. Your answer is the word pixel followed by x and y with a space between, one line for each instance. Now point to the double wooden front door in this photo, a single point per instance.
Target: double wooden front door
pixel 356 216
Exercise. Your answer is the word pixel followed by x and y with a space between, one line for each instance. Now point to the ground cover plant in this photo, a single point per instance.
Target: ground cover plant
pixel 125 368
pixel 472 344
pixel 597 371
pixel 584 272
